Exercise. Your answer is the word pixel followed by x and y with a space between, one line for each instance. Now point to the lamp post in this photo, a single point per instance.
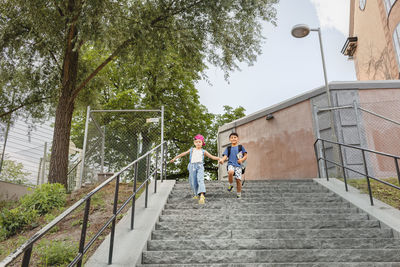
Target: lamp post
pixel 300 31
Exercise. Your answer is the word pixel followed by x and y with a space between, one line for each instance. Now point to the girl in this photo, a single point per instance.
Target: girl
pixel 196 167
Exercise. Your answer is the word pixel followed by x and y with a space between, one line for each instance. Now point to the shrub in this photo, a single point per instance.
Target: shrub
pixel 45 198
pixel 11 221
pixel 56 253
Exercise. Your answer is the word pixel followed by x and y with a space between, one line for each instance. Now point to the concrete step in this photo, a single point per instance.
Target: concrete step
pixel 267 244
pixel 225 225
pixel 264 217
pixel 271 256
pixel 286 264
pixel 254 186
pixel 193 204
pixel 203 209
pixel 264 199
pixel 218 195
pixel 271 234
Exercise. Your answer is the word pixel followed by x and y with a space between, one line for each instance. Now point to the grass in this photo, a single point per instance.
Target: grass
pixel 384 193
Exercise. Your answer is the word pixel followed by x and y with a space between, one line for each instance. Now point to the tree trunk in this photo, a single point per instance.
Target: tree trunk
pixel 65 108
pixel 59 151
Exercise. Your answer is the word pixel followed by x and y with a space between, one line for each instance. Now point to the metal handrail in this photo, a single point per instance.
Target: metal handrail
pixel 363 150
pixel 26 248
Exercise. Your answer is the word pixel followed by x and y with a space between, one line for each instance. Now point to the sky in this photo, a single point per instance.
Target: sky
pixel 288 66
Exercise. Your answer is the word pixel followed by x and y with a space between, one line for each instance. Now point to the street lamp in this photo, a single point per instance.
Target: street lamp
pixel 302 30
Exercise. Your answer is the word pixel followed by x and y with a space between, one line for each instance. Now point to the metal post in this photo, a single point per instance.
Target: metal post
pixel 79 185
pixel 317 158
pixel 155 174
pixel 162 143
pixel 326 166
pixel 147 179
pixel 39 172
pixel 27 257
pixel 328 93
pixel 44 164
pixel 103 141
pixel 315 111
pixel 83 231
pixel 110 254
pixel 397 169
pixel 367 176
pixel 134 198
pixel 344 170
pixel 165 161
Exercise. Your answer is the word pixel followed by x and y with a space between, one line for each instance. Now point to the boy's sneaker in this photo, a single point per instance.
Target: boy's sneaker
pixel 230 187
pixel 239 196
pixel 196 197
pixel 202 199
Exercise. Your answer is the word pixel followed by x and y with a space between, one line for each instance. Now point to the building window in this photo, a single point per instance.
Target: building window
pixel 396 42
pixel 388 5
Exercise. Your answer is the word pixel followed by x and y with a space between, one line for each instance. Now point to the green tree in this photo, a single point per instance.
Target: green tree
pixel 46 40
pixel 13 172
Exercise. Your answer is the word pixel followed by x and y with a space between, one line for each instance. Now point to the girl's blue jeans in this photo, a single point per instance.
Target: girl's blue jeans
pixel 196 178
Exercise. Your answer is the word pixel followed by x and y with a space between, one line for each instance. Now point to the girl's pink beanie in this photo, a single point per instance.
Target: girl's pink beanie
pixel 199 137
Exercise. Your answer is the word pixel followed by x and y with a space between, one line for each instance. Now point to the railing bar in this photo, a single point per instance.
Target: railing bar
pixel 359 148
pixel 363 174
pixel 317 158
pixel 366 176
pixel 84 227
pixel 27 257
pixel 134 199
pixel 147 180
pixel 397 170
pixel 343 169
pixel 326 166
pixel 112 234
pixel 155 176
pixel 382 117
pixel 334 108
pixel 76 259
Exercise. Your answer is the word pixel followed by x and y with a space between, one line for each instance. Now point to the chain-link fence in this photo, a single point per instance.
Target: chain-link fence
pixel 26 148
pixel 113 139
pixel 374 126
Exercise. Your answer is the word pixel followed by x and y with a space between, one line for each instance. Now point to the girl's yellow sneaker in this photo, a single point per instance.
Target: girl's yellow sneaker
pixel 202 199
pixel 196 197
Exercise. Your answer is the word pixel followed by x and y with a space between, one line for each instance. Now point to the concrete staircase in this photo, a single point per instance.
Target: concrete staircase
pixel 276 223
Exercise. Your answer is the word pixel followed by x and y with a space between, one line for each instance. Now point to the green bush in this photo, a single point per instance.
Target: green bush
pixel 11 221
pixel 56 253
pixel 45 198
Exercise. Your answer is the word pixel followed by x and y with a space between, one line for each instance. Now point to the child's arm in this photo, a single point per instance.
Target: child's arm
pixel 179 156
pixel 210 156
pixel 242 159
pixel 222 160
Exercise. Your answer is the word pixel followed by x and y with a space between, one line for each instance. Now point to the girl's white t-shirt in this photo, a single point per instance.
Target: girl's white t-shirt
pixel 197 155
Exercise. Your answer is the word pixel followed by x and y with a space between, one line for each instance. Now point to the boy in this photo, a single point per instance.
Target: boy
pixel 235 154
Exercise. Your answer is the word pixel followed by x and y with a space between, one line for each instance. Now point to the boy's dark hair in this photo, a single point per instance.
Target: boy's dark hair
pixel 235 134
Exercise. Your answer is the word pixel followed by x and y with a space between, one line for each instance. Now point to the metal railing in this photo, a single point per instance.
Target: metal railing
pixel 366 175
pixel 27 247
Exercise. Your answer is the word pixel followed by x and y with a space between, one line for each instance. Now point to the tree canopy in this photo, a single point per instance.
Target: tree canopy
pixel 51 51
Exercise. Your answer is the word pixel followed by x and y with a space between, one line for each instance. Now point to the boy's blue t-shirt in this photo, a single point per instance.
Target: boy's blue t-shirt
pixel 232 160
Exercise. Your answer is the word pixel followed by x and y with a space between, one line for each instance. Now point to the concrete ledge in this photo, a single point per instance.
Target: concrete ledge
pixel 387 215
pixel 129 245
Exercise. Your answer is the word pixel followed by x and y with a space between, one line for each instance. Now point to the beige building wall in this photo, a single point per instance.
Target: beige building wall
pixel 375 57
pixel 281 147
